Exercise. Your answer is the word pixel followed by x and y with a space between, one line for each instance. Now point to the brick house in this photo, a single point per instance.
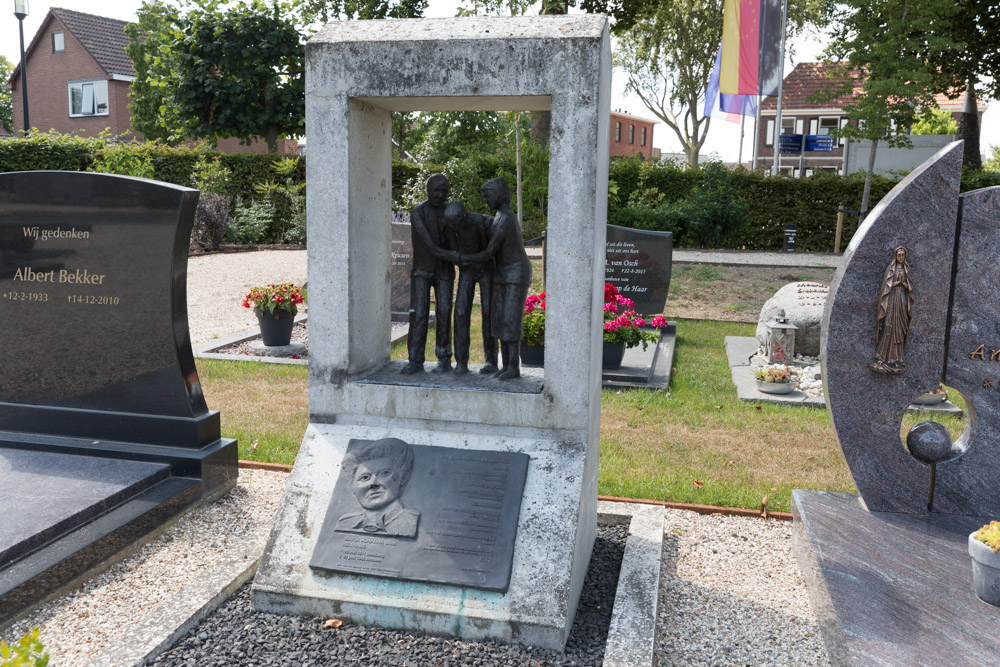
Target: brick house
pixel 800 116
pixel 79 75
pixel 631 135
pixel 80 78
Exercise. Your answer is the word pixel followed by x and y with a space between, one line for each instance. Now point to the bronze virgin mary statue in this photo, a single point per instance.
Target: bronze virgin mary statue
pixel 895 301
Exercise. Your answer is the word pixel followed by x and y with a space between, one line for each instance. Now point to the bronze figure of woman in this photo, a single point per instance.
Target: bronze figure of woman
pixel 895 302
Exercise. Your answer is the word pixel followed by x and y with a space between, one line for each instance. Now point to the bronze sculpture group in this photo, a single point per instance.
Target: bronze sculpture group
pixel 490 253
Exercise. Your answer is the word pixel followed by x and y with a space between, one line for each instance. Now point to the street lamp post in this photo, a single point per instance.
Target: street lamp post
pixel 21 11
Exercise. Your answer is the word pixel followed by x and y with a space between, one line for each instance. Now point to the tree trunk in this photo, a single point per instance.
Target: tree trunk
pixel 541 127
pixel 968 130
pixel 692 155
pixel 272 139
pixel 868 182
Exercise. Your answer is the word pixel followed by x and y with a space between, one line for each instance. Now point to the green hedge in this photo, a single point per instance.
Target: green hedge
pixel 767 203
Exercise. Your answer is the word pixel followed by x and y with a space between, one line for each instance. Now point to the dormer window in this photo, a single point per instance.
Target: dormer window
pixel 58 42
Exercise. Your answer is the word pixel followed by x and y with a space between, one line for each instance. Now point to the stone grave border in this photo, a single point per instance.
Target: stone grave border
pixel 631 634
pixel 739 349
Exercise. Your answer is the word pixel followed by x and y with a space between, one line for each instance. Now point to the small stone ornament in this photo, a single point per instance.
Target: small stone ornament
pixel 895 302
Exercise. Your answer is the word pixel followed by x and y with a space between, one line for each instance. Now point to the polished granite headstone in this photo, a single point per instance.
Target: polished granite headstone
pixel 889 572
pixel 104 432
pixel 460 512
pixel 638 262
pixel 402 262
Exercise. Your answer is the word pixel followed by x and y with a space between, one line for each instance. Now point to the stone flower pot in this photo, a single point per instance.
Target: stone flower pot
pixel 275 329
pixel 985 570
pixel 931 399
pixel 775 387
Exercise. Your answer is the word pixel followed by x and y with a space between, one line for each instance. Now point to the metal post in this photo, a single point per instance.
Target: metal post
pixel 24 74
pixel 802 156
pixel 840 228
pixel 756 133
pixel 781 84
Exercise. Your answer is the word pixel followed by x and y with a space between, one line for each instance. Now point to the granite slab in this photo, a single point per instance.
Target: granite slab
pixel 645 369
pixel 739 349
pixel 55 493
pixel 891 588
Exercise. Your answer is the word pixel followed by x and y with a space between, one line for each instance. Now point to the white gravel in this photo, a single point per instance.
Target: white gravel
pixel 78 626
pixel 731 593
pixel 218 282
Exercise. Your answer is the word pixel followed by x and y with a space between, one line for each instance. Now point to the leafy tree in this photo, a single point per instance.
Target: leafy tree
pixel 6 101
pixel 668 53
pixel 938 122
pixel 889 45
pixel 209 69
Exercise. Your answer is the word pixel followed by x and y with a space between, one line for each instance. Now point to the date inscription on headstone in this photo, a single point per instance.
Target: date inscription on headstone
pixel 402 262
pixel 637 262
pixel 422 513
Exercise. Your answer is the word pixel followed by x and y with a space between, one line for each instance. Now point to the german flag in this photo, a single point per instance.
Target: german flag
pixel 751 37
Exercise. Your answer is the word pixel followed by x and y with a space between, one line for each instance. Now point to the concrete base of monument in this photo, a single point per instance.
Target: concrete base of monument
pixel 645 369
pixel 291 350
pixel 75 507
pixel 891 589
pixel 739 349
pixel 555 534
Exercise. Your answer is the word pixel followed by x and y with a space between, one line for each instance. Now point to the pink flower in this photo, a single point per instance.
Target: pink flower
pixel 610 308
pixel 639 322
pixel 528 308
pixel 611 326
pixel 659 321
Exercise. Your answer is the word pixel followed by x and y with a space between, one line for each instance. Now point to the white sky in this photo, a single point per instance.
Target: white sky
pixel 723 137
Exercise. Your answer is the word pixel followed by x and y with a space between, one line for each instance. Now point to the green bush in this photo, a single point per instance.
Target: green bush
pixel 26 652
pixel 251 221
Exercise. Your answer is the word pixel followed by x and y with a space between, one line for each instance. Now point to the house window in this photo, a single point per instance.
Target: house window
pixel 631 133
pixel 58 42
pixel 828 124
pixel 618 131
pixel 787 127
pixel 88 98
pixel 643 136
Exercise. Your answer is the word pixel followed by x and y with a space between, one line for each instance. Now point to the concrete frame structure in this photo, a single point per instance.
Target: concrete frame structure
pixel 356 74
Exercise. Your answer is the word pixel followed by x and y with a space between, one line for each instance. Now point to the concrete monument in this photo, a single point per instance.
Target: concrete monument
pixel 358 72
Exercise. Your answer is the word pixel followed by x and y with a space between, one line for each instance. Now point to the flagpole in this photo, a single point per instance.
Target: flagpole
pixel 743 120
pixel 781 84
pixel 756 132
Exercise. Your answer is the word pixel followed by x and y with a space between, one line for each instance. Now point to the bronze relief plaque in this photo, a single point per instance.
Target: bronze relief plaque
pixel 422 513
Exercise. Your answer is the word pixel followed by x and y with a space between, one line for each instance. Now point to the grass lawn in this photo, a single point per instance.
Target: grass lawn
pixel 696 443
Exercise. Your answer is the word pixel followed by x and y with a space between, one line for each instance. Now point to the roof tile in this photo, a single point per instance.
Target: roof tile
pixel 104 38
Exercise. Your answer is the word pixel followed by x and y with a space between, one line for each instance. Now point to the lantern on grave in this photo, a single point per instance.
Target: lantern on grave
pixel 779 339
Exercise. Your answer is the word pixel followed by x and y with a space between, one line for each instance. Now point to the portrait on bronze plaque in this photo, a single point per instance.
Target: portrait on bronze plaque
pixel 895 302
pixel 378 472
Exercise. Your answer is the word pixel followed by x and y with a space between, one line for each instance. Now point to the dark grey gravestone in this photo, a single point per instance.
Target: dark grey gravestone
pixel 402 262
pixel 968 484
pixel 890 588
pixel 866 408
pixel 461 511
pixel 97 367
pixel 638 263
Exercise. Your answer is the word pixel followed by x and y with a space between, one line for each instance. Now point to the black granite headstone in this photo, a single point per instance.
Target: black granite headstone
pixel 93 310
pixel 452 518
pixel 790 233
pixel 637 262
pixel 402 262
pixel 104 432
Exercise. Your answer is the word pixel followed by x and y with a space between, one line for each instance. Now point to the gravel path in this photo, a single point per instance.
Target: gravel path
pixel 218 282
pixel 78 626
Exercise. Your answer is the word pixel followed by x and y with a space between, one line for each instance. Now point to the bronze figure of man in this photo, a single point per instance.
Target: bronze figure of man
pixel 895 302
pixel 433 267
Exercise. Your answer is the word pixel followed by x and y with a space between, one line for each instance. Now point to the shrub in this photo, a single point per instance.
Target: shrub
pixel 26 652
pixel 251 221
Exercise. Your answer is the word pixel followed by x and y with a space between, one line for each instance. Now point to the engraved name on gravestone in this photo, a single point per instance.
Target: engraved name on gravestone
pixel 93 313
pixel 638 262
pixel 402 262
pixel 422 513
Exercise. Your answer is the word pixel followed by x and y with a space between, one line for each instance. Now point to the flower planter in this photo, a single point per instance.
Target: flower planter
pixel 613 353
pixel 985 571
pixel 775 387
pixel 275 329
pixel 532 355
